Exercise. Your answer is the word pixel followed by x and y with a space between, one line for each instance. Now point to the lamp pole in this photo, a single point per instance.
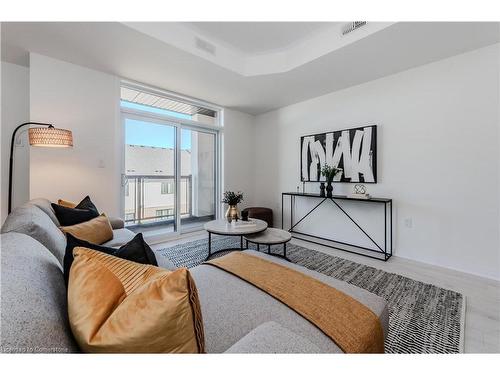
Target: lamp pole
pixel 11 160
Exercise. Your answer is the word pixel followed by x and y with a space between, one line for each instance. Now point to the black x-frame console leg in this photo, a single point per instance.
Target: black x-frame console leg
pixel 383 252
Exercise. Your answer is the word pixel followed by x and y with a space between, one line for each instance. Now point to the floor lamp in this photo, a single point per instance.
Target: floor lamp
pixel 45 135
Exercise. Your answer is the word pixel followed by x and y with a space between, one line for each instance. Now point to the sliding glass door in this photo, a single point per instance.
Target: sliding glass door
pixel 169 177
pixel 198 178
pixel 150 174
pixel 170 166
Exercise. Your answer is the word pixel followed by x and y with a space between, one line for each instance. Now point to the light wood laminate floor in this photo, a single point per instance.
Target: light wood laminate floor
pixel 482 317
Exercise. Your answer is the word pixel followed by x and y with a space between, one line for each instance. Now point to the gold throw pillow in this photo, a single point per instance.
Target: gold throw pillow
pixel 97 230
pixel 68 204
pixel 119 306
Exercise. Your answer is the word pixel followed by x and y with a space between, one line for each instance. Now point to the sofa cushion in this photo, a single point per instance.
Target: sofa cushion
pixel 124 235
pixel 46 206
pixel 272 337
pixel 33 298
pixel 116 222
pixel 242 307
pixel 118 306
pixel 85 204
pixel 31 220
pixel 97 230
pixel 62 202
pixel 120 237
pixel 136 250
pixel 72 216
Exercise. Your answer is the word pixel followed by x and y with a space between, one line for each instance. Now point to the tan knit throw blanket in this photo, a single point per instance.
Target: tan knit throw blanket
pixel 349 323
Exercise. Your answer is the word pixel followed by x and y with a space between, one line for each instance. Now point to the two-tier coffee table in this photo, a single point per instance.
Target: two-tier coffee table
pixel 241 228
pixel 271 236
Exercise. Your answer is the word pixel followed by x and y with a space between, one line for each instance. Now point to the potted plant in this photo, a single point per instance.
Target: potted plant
pixel 232 199
pixel 329 172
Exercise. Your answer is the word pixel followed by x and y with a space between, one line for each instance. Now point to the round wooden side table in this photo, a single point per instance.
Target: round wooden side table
pixel 271 236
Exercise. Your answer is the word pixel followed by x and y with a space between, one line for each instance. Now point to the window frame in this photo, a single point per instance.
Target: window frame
pixel 154 91
pixel 216 129
pixel 164 188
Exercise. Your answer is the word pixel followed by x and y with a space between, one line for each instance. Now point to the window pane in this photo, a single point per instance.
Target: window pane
pixel 197 177
pixel 150 173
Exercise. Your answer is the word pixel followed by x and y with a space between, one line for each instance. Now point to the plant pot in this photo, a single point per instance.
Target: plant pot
pixel 232 213
pixel 329 189
pixel 322 189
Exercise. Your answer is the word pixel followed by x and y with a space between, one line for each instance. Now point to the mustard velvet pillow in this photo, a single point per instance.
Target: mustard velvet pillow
pixel 119 306
pixel 96 231
pixel 67 204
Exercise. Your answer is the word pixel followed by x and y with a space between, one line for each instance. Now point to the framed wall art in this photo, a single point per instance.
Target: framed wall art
pixel 352 150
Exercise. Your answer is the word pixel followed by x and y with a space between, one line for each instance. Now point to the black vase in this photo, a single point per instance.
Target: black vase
pixel 329 189
pixel 322 189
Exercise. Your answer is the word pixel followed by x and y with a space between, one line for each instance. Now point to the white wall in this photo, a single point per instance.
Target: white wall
pixel 15 111
pixel 239 155
pixel 438 142
pixel 437 155
pixel 86 102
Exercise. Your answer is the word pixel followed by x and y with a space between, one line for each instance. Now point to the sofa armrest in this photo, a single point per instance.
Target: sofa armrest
pixel 116 222
pixel 272 337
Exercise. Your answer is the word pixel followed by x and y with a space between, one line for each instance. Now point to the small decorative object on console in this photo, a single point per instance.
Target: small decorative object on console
pixel 359 191
pixel 232 199
pixel 322 189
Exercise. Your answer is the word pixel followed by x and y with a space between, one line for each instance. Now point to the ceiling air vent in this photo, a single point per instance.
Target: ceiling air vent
pixel 351 26
pixel 205 46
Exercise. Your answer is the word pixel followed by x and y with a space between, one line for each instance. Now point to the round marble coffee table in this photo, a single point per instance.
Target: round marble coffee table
pixel 240 228
pixel 271 236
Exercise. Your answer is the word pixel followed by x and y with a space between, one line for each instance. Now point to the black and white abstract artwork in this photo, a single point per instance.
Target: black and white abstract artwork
pixel 353 150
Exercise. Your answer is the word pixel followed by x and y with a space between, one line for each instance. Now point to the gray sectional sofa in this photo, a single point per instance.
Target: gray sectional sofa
pixel 237 317
pixel 37 219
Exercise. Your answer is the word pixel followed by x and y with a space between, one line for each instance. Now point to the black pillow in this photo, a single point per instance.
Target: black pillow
pixel 71 216
pixel 137 250
pixel 76 217
pixel 86 204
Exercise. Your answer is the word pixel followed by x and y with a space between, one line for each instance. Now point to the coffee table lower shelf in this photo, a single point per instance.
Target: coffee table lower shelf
pixel 278 255
pixel 241 248
pixel 222 228
pixel 210 253
pixel 271 237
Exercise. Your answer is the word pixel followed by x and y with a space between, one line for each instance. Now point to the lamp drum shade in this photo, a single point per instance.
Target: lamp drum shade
pixel 50 137
pixel 46 136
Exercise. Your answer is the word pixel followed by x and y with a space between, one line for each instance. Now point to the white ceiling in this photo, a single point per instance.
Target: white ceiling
pixel 291 49
pixel 125 51
pixel 259 37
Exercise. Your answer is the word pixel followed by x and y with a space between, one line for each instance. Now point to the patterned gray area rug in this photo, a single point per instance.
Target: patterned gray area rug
pixel 423 318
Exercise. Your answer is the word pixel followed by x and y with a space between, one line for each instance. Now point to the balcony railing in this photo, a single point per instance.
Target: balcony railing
pixel 150 199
